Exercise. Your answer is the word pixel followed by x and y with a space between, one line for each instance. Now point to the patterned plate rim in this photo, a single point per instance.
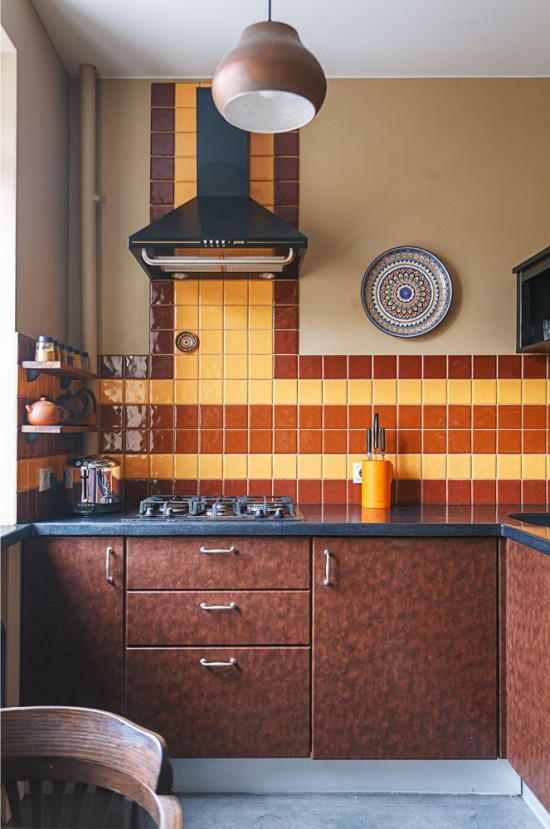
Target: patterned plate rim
pixel 403 334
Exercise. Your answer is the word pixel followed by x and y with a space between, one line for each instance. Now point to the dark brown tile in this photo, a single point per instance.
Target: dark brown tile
pixel 459 366
pixel 357 442
pixel 410 366
pixel 135 491
pixel 387 416
pixel 485 367
pixel 285 441
pixel 409 441
pixel 484 442
pixel 211 487
pixel 236 417
pixel 111 441
pixel 460 441
pixel 285 317
pixel 534 441
pixel 334 442
pixel 162 143
pixel 434 492
pixel 162 168
pixel 163 94
pixel 187 441
pixel 484 417
pixel 509 417
pixel 434 441
pixel 137 367
pixel 259 486
pixel 509 366
pixel 409 492
pixel 335 366
pixel 162 416
pixel 161 342
pixel 160 486
pixel 310 441
pixel 459 492
pixel 137 441
pixel 162 292
pixel 335 492
pixel 110 417
pixel 285 292
pixel 335 417
pixel 233 487
pixel 409 417
pixel 161 441
pixel 484 492
pixel 286 192
pixel 288 213
pixel 384 366
pixel 287 168
pixel 236 442
pixel 533 492
pixel 509 492
pixel 187 417
pixel 286 417
pixel 162 120
pixel 354 493
pixel 434 367
pixel 285 342
pixel 189 486
pixel 360 367
pixel 136 417
pixel 534 417
pixel 162 367
pixel 310 492
pixel 310 367
pixel 161 317
pixel 162 192
pixel 281 487
pixel 459 417
pixel 535 366
pixel 261 417
pixel 111 366
pixel 157 211
pixel 285 367
pixel 211 441
pixel 360 417
pixel 310 417
pixel 435 417
pixel 211 417
pixel 287 143
pixel 261 441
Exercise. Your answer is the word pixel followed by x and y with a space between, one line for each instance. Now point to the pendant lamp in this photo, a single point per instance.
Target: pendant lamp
pixel 269 82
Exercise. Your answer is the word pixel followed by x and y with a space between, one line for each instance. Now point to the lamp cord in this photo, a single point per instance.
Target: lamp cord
pixel 269 11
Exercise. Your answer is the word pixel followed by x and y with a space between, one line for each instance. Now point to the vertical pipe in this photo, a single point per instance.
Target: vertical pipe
pixel 88 205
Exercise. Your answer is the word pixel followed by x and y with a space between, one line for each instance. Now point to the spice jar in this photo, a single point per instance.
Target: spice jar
pixel 85 361
pixel 69 350
pixel 62 353
pixel 44 351
pixel 77 358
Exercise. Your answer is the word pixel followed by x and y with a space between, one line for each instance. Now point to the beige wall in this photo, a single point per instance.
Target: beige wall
pixel 42 174
pixel 460 167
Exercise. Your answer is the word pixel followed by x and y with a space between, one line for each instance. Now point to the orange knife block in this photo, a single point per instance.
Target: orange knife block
pixel 376 484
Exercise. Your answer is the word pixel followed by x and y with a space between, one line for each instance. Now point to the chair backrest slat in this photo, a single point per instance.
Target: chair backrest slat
pixel 35 789
pixel 58 792
pixel 14 802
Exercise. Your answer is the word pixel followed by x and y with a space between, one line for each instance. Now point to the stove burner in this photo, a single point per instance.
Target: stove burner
pixel 223 507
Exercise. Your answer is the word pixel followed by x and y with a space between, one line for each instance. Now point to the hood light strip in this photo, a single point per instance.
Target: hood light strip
pixel 207 263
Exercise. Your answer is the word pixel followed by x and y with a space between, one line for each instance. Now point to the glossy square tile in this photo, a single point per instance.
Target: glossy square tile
pixel 509 441
pixel 334 442
pixel 409 466
pixel 211 467
pixel 459 466
pixel 135 417
pixel 285 317
pixel 262 192
pixel 187 417
pixel 161 392
pixel 286 342
pixel 285 441
pixel 335 417
pixel 410 417
pixel 186 292
pixel 409 441
pixel 459 392
pixel 186 392
pixel 335 367
pixel 534 417
pixel 186 465
pixel 434 392
pixel 534 392
pixel 259 317
pixel 161 441
pixel 260 292
pixel 211 367
pixel 162 367
pixel 360 392
pixel 334 467
pixel 409 392
pixel 535 365
pixel 260 392
pixel 434 367
pixel 187 443
pixel 111 391
pixel 285 366
pixel 235 367
pixel 235 466
pixel 261 417
pixel 261 442
pixel 285 466
pixel 434 467
pixel 384 392
pixel 409 366
pixel 111 416
pixel 211 392
pixel 360 367
pixel 186 318
pixel 285 392
pixel 509 366
pixel 261 368
pixel 534 467
pixel 459 366
pixel 136 466
pixel 260 342
pixel 161 342
pixel 310 466
pixel 162 94
pixel 310 367
pixel 484 467
pixel 260 466
pixel 335 392
pixel 459 441
pixel 509 467
pixel 261 144
pixel 235 392
pixel 434 440
pixel 235 292
pixel 235 441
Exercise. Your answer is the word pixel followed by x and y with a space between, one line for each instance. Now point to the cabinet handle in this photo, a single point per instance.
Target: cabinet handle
pixel 108 574
pixel 229 664
pixel 230 606
pixel 326 580
pixel 216 551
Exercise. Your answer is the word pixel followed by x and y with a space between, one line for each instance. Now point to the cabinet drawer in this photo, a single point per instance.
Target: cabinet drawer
pixel 258 707
pixel 270 617
pixel 190 563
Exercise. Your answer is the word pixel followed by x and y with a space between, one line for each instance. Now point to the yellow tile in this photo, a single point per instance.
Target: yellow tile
pixel 260 292
pixel 161 392
pixel 211 317
pixel 136 466
pixel 284 467
pixel 235 392
pixel 211 367
pixel 236 368
pixel 235 466
pixel 261 191
pixel 261 342
pixel 384 392
pixel 161 466
pixel 186 93
pixel 210 466
pixel 409 466
pixel 261 143
pixel 459 392
pixel 335 392
pixel 185 144
pixel 211 292
pixel 310 392
pixel 236 292
pixel 22 476
pixel 484 392
pixel 136 391
pixel 409 392
pixel 261 367
pixel 359 392
pixel 186 292
pixel 236 342
pixel 509 392
pixel 185 119
pixel 186 317
pixel 236 317
pixel 211 392
pixel 186 366
pixel 434 392
pixel 533 467
pixel 261 168
pixel 261 316
pixel 509 467
pixel 186 392
pixel 185 169
pixel 285 392
pixel 211 342
pixel 434 467
pixel 260 392
pixel 459 467
pixel 310 467
pixel 184 191
pixel 260 466
pixel 534 392
pixel 186 466
pixel 111 391
pixel 334 467
pixel 484 467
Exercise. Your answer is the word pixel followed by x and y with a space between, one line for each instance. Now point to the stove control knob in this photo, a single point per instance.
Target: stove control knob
pixel 150 512
pixel 260 513
pixel 279 513
pixel 169 513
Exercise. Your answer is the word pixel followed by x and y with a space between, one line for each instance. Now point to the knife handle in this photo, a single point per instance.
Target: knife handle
pixel 369 442
pixel 383 441
pixel 375 431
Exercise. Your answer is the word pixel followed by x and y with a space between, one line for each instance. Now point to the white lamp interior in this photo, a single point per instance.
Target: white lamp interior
pixel 269 110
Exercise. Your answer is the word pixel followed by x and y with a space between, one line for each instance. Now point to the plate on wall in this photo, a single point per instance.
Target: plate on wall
pixel 406 291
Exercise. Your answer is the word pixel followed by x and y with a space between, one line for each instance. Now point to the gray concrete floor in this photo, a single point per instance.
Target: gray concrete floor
pixel 348 811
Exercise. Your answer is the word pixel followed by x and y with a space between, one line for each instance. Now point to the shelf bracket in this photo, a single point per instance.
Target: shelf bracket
pixel 32 374
pixel 31 437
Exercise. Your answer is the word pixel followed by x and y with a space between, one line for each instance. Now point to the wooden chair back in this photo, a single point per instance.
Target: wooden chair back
pixel 84 768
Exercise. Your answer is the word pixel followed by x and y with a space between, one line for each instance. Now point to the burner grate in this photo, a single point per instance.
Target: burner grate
pixel 219 507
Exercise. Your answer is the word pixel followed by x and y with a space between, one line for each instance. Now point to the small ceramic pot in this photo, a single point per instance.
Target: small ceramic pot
pixel 45 412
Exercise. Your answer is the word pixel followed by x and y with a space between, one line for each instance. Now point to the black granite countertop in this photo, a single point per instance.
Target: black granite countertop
pixel 337 520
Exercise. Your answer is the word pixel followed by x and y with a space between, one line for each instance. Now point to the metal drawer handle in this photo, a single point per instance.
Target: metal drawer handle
pixel 215 551
pixel 108 573
pixel 230 606
pixel 326 580
pixel 229 664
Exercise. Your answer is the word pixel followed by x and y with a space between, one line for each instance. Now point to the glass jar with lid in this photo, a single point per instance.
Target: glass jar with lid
pixel 77 358
pixel 85 361
pixel 44 351
pixel 69 350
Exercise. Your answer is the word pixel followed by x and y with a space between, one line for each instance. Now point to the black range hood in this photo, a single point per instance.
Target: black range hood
pixel 222 231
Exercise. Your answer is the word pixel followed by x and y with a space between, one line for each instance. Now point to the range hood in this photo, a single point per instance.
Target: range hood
pixel 222 230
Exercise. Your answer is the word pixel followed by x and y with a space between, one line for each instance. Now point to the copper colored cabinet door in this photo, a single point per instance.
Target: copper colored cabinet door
pixel 244 702
pixel 72 622
pixel 405 649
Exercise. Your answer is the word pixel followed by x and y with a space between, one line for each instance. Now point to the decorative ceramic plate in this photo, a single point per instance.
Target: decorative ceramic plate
pixel 406 292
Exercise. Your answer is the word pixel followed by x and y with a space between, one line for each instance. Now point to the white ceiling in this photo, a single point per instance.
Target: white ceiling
pixel 351 38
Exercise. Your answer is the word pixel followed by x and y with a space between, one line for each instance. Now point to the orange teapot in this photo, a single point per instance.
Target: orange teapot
pixel 45 412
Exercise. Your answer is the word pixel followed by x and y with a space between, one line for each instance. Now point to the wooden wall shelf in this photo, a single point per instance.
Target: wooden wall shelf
pixel 32 432
pixel 64 371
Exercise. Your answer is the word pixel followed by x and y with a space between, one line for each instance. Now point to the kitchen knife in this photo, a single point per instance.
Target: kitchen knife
pixel 383 442
pixel 369 444
pixel 375 431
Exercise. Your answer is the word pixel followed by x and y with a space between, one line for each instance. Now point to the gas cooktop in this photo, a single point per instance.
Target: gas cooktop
pixel 217 508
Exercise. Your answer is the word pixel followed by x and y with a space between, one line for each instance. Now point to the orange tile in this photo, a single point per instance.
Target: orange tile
pixel 261 144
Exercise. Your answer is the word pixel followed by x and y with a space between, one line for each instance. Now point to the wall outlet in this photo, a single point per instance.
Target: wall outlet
pixel 68 477
pixel 45 478
pixel 357 473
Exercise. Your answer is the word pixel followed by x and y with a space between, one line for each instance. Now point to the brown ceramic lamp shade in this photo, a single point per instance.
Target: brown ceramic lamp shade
pixel 269 82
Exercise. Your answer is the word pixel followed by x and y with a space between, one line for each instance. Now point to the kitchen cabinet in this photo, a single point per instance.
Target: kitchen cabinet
pixel 72 622
pixel 218 644
pixel 527 637
pixel 404 648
